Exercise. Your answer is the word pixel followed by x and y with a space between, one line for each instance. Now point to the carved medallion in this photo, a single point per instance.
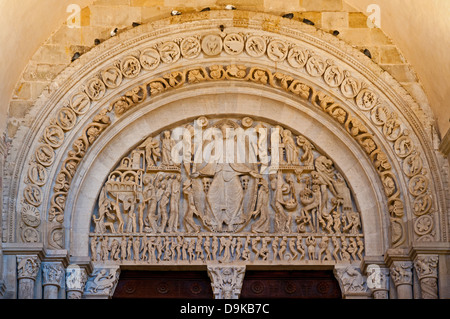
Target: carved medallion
pixel 422 204
pixel 112 77
pixel 45 155
pixel 333 76
pixel 350 87
pixel 95 89
pixel 30 235
pixel 233 44
pixel 418 185
pixel 80 103
pixel 54 136
pixel 412 165
pixel 66 118
pixel 169 52
pixel 190 48
pixel 297 57
pixel 33 195
pixel 150 59
pixel 366 100
pixel 403 146
pixel 277 50
pixel 37 174
pixel 31 216
pixel 131 67
pixel 315 66
pixel 255 46
pixel 212 44
pixel 423 225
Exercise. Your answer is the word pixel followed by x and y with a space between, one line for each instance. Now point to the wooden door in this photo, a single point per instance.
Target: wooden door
pixel 257 284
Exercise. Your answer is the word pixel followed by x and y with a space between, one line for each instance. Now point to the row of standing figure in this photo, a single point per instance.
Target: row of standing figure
pixel 227 248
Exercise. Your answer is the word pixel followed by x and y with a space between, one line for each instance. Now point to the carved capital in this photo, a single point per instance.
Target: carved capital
pixel 378 281
pixel 226 281
pixel 351 280
pixel 28 267
pixel 76 278
pixel 102 283
pixel 426 268
pixel 401 272
pixel 52 274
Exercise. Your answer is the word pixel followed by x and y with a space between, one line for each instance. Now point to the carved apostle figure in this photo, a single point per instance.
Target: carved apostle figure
pixel 262 209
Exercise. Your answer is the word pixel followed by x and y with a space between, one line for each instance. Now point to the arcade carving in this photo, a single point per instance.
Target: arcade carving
pixel 226 190
pixel 253 45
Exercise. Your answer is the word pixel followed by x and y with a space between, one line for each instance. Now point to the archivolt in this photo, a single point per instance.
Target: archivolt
pixel 393 140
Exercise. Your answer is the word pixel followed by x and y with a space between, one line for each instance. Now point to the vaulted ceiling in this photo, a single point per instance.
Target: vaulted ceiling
pixel 420 28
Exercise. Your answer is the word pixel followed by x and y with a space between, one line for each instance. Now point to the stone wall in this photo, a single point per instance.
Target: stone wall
pixel 98 20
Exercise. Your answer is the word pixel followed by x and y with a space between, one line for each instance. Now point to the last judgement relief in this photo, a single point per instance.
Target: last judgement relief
pixel 226 190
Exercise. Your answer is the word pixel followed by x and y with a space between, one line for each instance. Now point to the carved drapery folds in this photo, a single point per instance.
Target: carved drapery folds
pixel 226 190
pixel 226 281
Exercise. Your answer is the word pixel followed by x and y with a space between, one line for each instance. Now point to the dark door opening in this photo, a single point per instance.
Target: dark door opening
pixel 257 284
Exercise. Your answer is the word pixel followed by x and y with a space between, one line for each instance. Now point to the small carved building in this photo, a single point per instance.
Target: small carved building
pixel 217 145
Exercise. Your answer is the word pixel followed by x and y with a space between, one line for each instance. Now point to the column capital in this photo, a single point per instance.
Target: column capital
pixel 76 278
pixel 28 266
pixel 401 273
pixel 352 282
pixel 226 281
pixel 378 281
pixel 102 283
pixel 52 272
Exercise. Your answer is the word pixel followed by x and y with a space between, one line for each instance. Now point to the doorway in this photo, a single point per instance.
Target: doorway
pixel 257 285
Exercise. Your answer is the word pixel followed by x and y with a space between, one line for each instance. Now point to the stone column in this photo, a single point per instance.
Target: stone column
pixel 52 273
pixel 378 281
pixel 226 281
pixel 427 272
pixel 27 271
pixel 76 279
pixel 351 281
pixel 3 152
pixel 102 283
pixel 401 273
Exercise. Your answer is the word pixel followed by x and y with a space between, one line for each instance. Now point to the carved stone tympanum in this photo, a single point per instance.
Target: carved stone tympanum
pixel 208 191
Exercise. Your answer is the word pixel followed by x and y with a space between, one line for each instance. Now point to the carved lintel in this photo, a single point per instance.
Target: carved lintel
pixel 352 282
pixel 426 268
pixel 102 283
pixel 226 281
pixel 76 279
